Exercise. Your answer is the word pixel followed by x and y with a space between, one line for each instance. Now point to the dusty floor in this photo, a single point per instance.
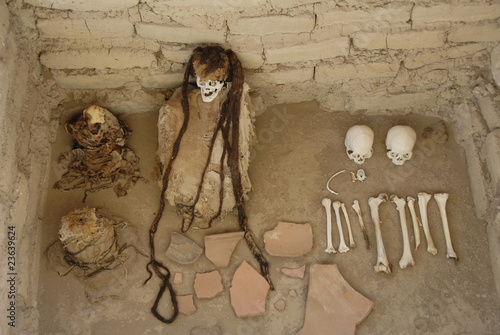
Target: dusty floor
pixel 300 147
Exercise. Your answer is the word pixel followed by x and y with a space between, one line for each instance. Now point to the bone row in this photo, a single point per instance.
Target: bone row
pixel 382 263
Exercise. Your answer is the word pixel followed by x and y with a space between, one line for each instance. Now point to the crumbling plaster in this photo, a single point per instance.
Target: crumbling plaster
pixel 429 57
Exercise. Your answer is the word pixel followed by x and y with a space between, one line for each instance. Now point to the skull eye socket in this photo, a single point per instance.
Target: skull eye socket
pixel 349 152
pixel 406 156
pixel 393 154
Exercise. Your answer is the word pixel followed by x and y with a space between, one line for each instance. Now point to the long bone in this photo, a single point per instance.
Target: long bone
pixel 406 258
pixel 357 209
pixel 328 208
pixel 414 219
pixel 346 217
pixel 336 207
pixel 423 199
pixel 441 199
pixel 382 261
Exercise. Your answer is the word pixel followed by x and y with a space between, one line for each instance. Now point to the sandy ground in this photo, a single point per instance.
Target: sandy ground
pixel 299 148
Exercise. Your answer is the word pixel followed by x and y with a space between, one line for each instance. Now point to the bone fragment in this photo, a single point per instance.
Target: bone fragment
pixel 349 229
pixel 415 221
pixel 441 199
pixel 406 258
pixel 327 204
pixel 336 207
pixel 329 180
pixel 423 199
pixel 382 261
pixel 357 209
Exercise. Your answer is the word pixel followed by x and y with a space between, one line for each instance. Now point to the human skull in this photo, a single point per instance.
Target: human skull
pixel 399 142
pixel 358 143
pixel 209 89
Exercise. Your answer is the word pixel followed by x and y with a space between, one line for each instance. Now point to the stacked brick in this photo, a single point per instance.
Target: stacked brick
pixel 347 56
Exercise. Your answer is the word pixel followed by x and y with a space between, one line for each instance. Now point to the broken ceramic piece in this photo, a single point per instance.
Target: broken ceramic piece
pixel 220 247
pixel 292 293
pixel 294 273
pixel 289 239
pixel 178 278
pixel 333 306
pixel 208 285
pixel 182 249
pixel 280 305
pixel 248 292
pixel 186 304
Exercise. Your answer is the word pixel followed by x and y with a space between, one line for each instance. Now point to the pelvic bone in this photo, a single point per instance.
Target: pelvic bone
pixel 342 247
pixel 423 199
pixel 327 204
pixel 346 217
pixel 406 258
pixel 399 142
pixel 358 143
pixel 382 261
pixel 441 199
pixel 415 221
pixel 357 209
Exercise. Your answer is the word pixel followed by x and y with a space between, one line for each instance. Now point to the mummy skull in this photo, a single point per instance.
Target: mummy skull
pixel 209 89
pixel 399 142
pixel 358 143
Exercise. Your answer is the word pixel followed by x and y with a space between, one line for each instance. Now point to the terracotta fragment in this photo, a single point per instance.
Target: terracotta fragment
pixel 182 249
pixel 208 284
pixel 289 239
pixel 333 306
pixel 178 278
pixel 220 247
pixel 294 273
pixel 248 292
pixel 280 305
pixel 292 293
pixel 186 304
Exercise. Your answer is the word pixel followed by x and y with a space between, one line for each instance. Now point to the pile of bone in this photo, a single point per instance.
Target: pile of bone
pixel 382 263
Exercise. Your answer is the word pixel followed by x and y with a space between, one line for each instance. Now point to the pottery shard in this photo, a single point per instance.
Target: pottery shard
pixel 294 273
pixel 248 291
pixel 186 304
pixel 208 284
pixel 280 305
pixel 182 249
pixel 289 239
pixel 178 278
pixel 332 306
pixel 220 247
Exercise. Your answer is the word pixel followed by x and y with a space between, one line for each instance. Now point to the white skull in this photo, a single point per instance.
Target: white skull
pixel 358 143
pixel 209 89
pixel 399 142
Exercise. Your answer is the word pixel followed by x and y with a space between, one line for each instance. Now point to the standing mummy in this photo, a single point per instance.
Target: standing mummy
pixel 441 199
pixel 382 261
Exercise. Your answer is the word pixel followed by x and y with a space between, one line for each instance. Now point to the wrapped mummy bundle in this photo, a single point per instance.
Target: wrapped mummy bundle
pixel 89 240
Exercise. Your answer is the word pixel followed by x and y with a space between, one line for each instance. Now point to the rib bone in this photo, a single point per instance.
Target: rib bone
pixel 357 209
pixel 342 247
pixel 406 258
pixel 423 199
pixel 414 219
pixel 382 261
pixel 346 217
pixel 441 199
pixel 327 204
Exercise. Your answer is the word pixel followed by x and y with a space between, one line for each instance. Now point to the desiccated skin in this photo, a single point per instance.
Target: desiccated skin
pixel 99 160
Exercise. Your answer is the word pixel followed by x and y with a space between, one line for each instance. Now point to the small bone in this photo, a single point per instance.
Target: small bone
pixel 327 204
pixel 346 217
pixel 441 199
pixel 423 199
pixel 357 209
pixel 382 261
pixel 415 221
pixel 406 258
pixel 358 176
pixel 329 180
pixel 336 207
